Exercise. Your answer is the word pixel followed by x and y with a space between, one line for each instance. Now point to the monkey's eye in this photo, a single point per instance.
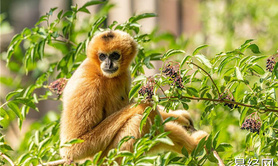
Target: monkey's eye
pixel 102 56
pixel 115 56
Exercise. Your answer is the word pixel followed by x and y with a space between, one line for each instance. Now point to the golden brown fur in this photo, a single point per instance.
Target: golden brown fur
pixel 96 106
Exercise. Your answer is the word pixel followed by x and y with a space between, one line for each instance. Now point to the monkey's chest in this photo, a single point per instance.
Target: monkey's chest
pixel 115 102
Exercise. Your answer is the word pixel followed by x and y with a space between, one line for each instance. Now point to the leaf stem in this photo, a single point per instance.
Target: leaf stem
pixel 4 104
pixel 218 92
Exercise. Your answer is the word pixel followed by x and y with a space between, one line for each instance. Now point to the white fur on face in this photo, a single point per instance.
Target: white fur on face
pixel 110 75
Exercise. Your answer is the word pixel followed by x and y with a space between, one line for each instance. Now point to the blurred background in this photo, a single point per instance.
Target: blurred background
pixel 222 24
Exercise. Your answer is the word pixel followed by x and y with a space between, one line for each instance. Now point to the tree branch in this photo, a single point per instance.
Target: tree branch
pixel 53 163
pixel 220 101
pixel 220 162
pixel 7 158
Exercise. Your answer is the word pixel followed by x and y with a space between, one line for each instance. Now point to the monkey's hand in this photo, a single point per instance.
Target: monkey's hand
pixel 183 117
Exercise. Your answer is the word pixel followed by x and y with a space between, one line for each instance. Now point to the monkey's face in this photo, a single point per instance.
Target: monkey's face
pixel 112 52
pixel 109 63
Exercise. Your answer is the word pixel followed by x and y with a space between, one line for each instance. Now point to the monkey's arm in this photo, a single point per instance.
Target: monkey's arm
pixel 101 135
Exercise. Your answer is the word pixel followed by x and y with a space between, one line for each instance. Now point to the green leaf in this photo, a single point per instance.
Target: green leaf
pixel 170 53
pixel 254 48
pixel 215 140
pixel 184 152
pixel 41 48
pixel 165 140
pixel 192 91
pixel 185 59
pixel 145 117
pixel 141 16
pixel 73 141
pixel 223 146
pixel 93 2
pixel 275 70
pixel 200 147
pixel 15 109
pixel 258 69
pixel 60 14
pixel 44 143
pixel 84 9
pixel 169 119
pixel 196 51
pixel 140 78
pixel 96 157
pixel 243 46
pixel 13 93
pixel 203 59
pixel 212 158
pixel 26 102
pixel 238 74
pixel 133 91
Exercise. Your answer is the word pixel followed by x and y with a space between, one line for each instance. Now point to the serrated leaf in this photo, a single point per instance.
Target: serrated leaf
pixel 203 59
pixel 141 16
pixel 238 74
pixel 133 91
pixel 170 53
pixel 196 51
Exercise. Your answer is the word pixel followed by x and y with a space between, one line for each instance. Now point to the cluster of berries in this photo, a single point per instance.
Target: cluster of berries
pixel 170 71
pixel 230 105
pixel 270 63
pixel 58 86
pixel 147 89
pixel 252 125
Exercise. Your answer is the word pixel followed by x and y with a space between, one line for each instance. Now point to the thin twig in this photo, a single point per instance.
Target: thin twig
pixel 218 92
pixel 160 88
pixel 220 101
pixel 53 163
pixel 4 104
pixel 220 162
pixel 65 41
pixel 7 158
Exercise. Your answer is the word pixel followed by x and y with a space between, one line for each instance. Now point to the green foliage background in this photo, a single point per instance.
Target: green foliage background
pixel 234 66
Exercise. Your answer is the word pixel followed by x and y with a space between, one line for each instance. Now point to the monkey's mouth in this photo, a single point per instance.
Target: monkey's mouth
pixel 113 70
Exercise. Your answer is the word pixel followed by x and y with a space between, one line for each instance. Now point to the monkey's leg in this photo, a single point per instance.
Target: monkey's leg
pixel 180 137
pixel 100 137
